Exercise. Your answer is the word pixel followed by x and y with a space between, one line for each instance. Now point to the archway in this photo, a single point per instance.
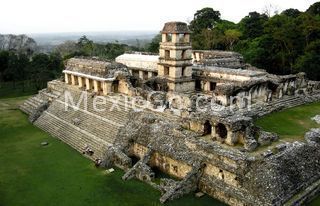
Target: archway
pixel 221 131
pixel 207 128
pixel 115 86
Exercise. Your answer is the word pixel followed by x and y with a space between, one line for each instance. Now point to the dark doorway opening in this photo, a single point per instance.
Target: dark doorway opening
pixel 213 86
pixel 207 128
pixel 115 86
pixel 198 85
pixel 222 131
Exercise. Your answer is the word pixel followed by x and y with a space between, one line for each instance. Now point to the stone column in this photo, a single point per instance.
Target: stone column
pixel 80 82
pixel 150 75
pixel 95 85
pixel 175 38
pixel 207 87
pixel 66 78
pixel 73 80
pixel 164 37
pixel 141 74
pixel 106 87
pixel 88 84
pixel 232 138
pixel 213 132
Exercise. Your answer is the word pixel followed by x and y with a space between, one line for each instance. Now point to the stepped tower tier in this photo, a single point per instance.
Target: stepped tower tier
pixel 175 61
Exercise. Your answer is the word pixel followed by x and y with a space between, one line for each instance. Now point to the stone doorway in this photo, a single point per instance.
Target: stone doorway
pixel 221 131
pixel 207 128
pixel 115 86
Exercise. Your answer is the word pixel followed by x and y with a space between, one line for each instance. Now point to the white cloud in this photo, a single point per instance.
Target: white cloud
pixel 38 16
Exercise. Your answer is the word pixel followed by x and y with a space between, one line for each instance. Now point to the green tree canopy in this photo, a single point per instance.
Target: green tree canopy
pixel 252 26
pixel 291 13
pixel 310 61
pixel 205 18
pixel 314 9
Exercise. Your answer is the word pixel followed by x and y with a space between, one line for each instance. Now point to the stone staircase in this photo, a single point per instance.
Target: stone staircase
pixel 82 127
pixel 31 104
pixel 74 136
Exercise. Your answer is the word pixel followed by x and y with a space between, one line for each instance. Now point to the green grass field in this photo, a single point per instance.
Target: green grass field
pixel 33 175
pixel 293 123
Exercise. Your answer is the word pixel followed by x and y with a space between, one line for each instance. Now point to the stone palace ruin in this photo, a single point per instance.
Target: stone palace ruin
pixel 189 114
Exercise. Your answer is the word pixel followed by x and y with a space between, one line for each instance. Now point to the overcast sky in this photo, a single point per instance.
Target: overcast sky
pixel 44 16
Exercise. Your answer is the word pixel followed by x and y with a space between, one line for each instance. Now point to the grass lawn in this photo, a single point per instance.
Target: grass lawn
pixel 293 123
pixel 58 175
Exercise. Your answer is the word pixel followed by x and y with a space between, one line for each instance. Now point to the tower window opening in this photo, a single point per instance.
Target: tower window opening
pixel 184 71
pixel 213 86
pixel 166 71
pixel 181 38
pixel 198 85
pixel 183 54
pixel 167 54
pixel 169 37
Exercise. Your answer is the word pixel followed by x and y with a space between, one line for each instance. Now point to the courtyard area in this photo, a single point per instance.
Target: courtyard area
pixel 291 124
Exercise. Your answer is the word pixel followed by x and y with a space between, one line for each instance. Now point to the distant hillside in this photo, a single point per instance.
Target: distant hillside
pixel 126 37
pixel 18 43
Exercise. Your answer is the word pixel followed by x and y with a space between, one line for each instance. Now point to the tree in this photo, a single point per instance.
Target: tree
pixel 309 26
pixel 287 38
pixel 39 71
pixel 85 45
pixel 294 13
pixel 55 64
pixel 21 72
pixel 310 61
pixel 314 9
pixel 154 45
pixel 205 18
pixel 231 37
pixel 4 58
pixel 10 74
pixel 252 26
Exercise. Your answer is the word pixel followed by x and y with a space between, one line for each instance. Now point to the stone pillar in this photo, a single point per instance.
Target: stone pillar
pixel 175 38
pixel 207 86
pixel 95 85
pixel 232 138
pixel 88 84
pixel 106 87
pixel 73 80
pixel 80 81
pixel 141 74
pixel 213 131
pixel 66 78
pixel 164 38
pixel 150 75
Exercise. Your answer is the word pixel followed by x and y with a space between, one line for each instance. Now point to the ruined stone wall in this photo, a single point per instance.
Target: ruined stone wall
pixel 162 162
pixel 123 87
pixel 88 66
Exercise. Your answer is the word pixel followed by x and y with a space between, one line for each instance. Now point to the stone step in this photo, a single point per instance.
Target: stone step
pixel 102 128
pixel 70 134
pixel 25 109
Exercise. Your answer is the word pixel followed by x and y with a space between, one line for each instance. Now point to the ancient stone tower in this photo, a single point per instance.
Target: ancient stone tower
pixel 175 62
